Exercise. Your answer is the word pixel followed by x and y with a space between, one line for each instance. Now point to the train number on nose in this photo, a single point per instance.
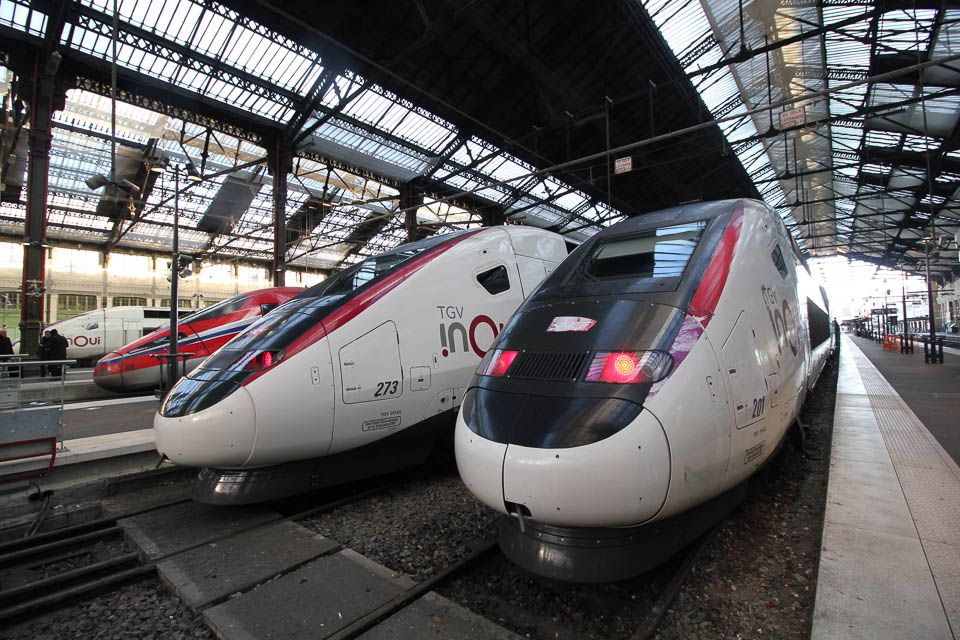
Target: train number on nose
pixel 386 388
pixel 758 406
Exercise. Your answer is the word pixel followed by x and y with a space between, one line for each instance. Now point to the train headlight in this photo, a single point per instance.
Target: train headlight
pixel 496 363
pixel 629 367
pixel 263 360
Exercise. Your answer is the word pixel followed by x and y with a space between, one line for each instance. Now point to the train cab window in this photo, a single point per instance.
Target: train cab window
pixel 219 310
pixel 655 253
pixel 494 280
pixel 778 261
pixel 267 308
pixel 162 341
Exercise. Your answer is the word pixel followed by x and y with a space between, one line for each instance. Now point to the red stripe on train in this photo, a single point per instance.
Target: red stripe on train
pixel 350 310
pixel 704 301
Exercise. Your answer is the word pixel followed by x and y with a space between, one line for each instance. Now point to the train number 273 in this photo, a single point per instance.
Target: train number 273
pixel 758 407
pixel 386 388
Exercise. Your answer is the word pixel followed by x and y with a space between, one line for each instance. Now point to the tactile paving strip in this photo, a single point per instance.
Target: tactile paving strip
pixel 930 480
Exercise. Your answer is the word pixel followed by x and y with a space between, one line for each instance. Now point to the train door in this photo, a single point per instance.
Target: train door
pixel 745 373
pixel 532 272
pixel 746 379
pixel 370 368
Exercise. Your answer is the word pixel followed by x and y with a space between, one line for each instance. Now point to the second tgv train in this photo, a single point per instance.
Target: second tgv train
pixel 622 409
pixel 92 334
pixel 357 376
pixel 136 366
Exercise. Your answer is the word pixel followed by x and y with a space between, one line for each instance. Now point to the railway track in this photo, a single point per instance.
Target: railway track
pixel 106 563
pixel 32 577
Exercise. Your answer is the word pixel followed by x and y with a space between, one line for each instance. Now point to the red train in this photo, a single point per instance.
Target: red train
pixel 135 366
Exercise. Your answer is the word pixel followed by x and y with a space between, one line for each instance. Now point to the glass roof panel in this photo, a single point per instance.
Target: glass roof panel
pixel 21 16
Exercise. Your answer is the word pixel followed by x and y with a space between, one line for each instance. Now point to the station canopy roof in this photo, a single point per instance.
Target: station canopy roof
pixel 843 116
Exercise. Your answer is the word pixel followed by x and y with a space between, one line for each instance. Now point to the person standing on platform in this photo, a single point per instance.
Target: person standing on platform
pixel 6 349
pixel 43 352
pixel 58 351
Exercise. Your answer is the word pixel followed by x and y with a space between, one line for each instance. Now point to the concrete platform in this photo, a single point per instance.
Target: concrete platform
pixel 931 390
pixel 211 573
pixel 890 555
pixel 182 526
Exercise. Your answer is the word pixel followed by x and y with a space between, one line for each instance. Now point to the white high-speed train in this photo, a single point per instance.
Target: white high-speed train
pixel 93 334
pixel 358 375
pixel 621 410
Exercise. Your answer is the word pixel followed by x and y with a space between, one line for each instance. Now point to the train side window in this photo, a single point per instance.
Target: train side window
pixel 778 261
pixel 494 280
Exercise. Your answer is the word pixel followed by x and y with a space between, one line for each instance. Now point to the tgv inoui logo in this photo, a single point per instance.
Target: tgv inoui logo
pixel 454 333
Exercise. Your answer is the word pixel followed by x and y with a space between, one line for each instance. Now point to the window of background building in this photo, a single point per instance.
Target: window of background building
pixel 73 304
pixel 75 261
pixel 129 301
pixel 128 266
pixel 10 312
pixel 184 303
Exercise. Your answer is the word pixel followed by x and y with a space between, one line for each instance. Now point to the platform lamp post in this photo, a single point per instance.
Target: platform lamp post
pixel 161 166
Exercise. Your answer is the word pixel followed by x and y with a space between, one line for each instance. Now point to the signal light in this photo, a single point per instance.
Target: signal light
pixel 497 363
pixel 263 360
pixel 629 367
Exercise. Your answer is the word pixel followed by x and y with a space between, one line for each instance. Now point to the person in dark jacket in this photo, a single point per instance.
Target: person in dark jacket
pixel 43 352
pixel 58 351
pixel 6 349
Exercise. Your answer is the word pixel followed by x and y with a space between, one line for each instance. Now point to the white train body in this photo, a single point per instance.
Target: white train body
pixel 367 355
pixel 582 454
pixel 92 335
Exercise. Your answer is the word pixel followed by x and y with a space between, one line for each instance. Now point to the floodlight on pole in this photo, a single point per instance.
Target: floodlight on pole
pixel 159 165
pixel 95 182
pixel 192 174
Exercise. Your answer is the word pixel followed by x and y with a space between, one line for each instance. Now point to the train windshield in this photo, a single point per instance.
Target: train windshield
pixel 363 273
pixel 647 260
pixel 655 253
pixel 219 310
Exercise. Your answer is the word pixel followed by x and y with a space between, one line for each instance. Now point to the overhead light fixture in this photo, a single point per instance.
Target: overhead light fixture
pixel 128 186
pixel 192 174
pixel 97 181
pixel 159 165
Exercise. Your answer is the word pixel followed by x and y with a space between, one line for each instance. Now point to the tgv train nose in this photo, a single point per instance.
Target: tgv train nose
pixel 220 435
pixel 621 480
pixel 108 372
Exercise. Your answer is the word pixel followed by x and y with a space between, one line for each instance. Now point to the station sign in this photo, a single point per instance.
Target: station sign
pixel 793 118
pixel 623 165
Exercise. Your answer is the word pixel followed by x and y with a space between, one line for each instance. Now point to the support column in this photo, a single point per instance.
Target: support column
pixel 33 285
pixel 411 196
pixel 279 163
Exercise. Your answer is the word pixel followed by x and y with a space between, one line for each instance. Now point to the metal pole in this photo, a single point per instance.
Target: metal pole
pixel 906 330
pixel 172 368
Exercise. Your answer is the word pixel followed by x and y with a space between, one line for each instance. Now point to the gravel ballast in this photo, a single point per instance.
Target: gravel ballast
pixel 141 610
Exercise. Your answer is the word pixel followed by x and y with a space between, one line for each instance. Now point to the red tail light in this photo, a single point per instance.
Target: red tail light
pixel 497 363
pixel 263 360
pixel 629 367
